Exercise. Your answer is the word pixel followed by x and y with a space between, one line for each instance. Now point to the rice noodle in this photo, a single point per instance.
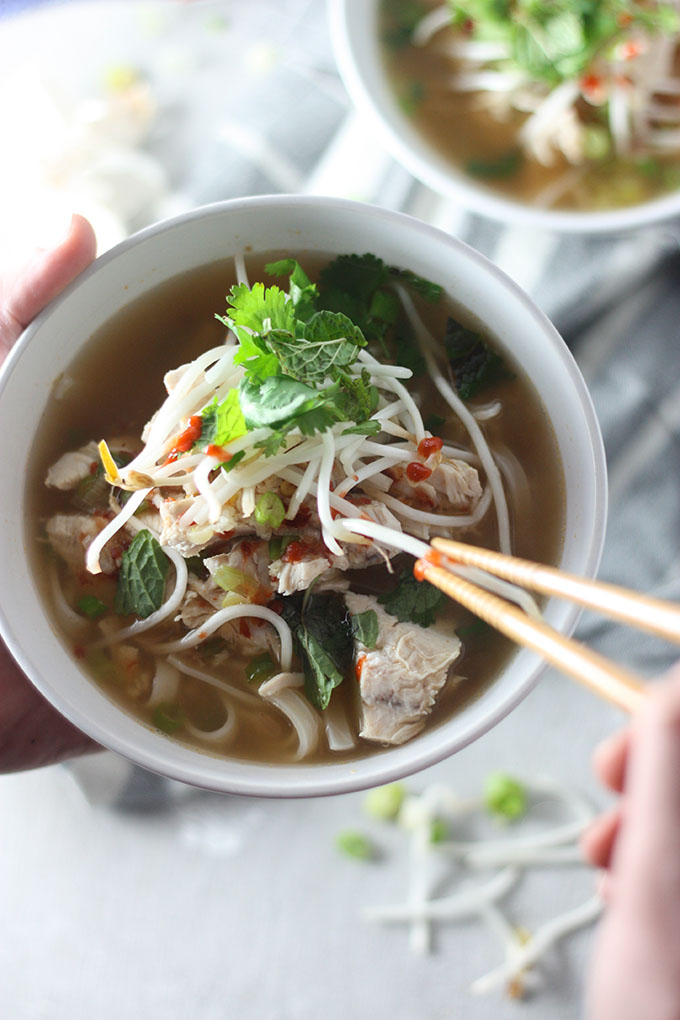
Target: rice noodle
pixel 426 342
pixel 237 693
pixel 223 735
pixel 240 267
pixel 338 732
pixel 94 550
pixel 433 22
pixel 323 495
pixel 222 616
pixel 165 683
pixel 69 619
pixel 302 716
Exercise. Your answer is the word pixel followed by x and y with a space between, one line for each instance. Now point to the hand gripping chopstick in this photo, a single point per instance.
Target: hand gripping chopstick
pixel 605 678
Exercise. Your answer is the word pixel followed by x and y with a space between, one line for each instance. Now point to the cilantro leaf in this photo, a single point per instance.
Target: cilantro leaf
pixel 303 293
pixel 323 640
pixel 254 354
pixel 417 601
pixel 275 401
pixel 141 581
pixel 357 398
pixel 365 628
pixel 430 291
pixel 222 422
pixel 260 309
pixel 473 363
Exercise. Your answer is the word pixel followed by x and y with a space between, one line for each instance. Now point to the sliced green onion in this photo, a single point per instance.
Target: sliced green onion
pixel 91 606
pixel 229 465
pixel 233 579
pixel 260 668
pixel 168 718
pixel 439 831
pixel 270 510
pixel 355 844
pixel 385 802
pixel 212 646
pixel 504 797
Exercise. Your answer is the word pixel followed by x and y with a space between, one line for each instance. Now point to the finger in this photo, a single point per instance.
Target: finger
pixel 598 841
pixel 610 759
pixel 46 275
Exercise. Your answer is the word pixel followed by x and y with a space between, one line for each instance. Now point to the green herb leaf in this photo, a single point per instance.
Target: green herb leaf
pixel 365 628
pixel 497 168
pixel 260 309
pixel 278 399
pixel 323 639
pixel 141 581
pixel 91 606
pixel 222 422
pixel 260 668
pixel 430 291
pixel 417 601
pixel 365 428
pixel 303 293
pixel 433 422
pixel 331 341
pixel 473 363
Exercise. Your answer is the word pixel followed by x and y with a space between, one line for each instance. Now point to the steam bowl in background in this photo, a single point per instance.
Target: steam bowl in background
pixel 355 32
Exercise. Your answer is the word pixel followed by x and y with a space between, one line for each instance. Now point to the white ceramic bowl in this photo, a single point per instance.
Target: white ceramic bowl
pixel 356 41
pixel 261 224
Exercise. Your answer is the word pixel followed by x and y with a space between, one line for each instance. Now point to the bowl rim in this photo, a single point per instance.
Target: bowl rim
pixel 299 780
pixel 432 169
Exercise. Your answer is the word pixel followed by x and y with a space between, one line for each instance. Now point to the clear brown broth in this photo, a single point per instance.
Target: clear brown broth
pixel 117 386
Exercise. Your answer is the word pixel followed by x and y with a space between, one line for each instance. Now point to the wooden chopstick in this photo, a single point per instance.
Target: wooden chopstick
pixel 605 678
pixel 649 614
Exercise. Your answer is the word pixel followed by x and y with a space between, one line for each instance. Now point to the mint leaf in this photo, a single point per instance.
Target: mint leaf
pixel 331 341
pixel 473 363
pixel 365 628
pixel 141 581
pixel 222 422
pixel 323 640
pixel 416 601
pixel 357 398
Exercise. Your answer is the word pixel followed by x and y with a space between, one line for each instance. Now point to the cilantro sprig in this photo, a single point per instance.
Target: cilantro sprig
pixel 299 349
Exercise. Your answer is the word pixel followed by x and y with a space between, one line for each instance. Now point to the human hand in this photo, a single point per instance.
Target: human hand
pixel 635 970
pixel 32 733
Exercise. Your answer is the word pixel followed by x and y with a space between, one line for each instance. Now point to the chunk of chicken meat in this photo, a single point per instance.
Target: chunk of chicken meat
pixel 73 468
pixel 70 535
pixel 400 678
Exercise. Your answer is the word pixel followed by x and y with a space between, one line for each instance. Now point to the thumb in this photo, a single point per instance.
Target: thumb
pixel 46 274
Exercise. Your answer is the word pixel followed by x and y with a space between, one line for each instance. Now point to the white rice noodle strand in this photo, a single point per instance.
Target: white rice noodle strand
pixel 222 616
pixel 112 528
pixel 165 683
pixel 302 716
pixel 246 697
pixel 476 435
pixel 223 734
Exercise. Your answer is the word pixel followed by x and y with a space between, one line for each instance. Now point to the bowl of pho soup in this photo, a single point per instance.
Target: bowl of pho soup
pixel 550 114
pixel 235 430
